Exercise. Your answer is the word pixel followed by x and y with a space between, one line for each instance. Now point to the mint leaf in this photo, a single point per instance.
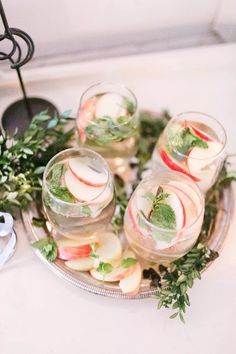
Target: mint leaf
pixel 104 268
pixel 54 184
pixel 129 105
pixel 104 130
pixel 62 193
pixel 39 222
pixel 184 140
pixel 163 216
pixel 128 262
pixel 47 247
pixel 93 252
pixel 85 210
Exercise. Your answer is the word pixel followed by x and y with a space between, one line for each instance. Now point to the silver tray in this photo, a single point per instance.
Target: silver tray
pixel 86 282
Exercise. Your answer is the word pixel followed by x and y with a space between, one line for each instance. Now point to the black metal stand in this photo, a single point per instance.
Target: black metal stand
pixel 19 114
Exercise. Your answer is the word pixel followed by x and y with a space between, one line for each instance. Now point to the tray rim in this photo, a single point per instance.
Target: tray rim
pixel 222 224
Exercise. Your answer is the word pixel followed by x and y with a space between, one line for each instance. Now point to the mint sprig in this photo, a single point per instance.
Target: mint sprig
pixel 54 184
pixel 184 140
pixel 162 214
pixel 103 131
pixel 47 247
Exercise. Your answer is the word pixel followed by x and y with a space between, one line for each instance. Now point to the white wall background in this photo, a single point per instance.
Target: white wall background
pixel 90 28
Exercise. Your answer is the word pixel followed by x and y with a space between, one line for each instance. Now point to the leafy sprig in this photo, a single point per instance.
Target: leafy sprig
pixel 161 214
pixel 185 139
pixel 23 159
pixel 48 248
pixel 105 130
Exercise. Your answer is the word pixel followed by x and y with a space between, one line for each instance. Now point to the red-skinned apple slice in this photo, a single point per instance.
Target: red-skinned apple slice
pixel 81 264
pixel 176 204
pixel 86 115
pixel 173 165
pixel 190 202
pixel 130 285
pixel 83 192
pixel 198 158
pixel 110 104
pixel 204 136
pixel 69 253
pixel 83 170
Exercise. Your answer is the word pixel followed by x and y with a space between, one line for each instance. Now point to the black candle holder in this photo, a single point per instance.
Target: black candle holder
pixel 19 114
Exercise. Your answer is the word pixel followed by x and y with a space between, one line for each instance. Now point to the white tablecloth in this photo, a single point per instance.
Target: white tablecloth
pixel 42 314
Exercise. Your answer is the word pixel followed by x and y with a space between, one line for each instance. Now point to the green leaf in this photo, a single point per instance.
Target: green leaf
pixel 183 140
pixel 85 210
pixel 62 193
pixel 39 170
pixel 93 252
pixel 66 114
pixel 174 315
pixel 28 151
pixel 39 222
pixel 164 216
pixel 54 185
pixel 128 262
pixel 104 268
pixel 181 317
pixel 181 279
pixel 53 123
pixel 47 247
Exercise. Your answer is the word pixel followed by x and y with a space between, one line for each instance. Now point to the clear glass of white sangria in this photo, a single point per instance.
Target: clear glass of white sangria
pixel 78 194
pixel 192 143
pixel 164 217
pixel 107 122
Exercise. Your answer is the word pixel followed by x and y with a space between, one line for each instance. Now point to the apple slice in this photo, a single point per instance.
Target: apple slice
pixel 176 204
pixel 130 285
pixel 81 264
pixel 110 104
pixel 204 136
pixel 83 170
pixel 118 272
pixel 190 203
pixel 173 165
pixel 67 242
pixel 86 115
pixel 68 253
pixel 109 248
pixel 199 159
pixel 83 192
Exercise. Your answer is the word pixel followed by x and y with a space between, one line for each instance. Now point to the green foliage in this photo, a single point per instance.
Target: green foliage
pixel 54 184
pixel 184 140
pixel 105 130
pixel 23 159
pixel 161 215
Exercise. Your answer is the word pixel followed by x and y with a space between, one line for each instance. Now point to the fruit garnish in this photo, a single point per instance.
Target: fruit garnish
pixel 174 165
pixel 55 184
pixel 83 170
pixel 183 140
